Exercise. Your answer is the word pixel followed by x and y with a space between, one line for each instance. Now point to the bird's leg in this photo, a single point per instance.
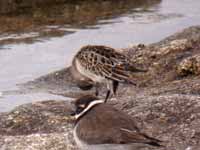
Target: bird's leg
pixel 97 89
pixel 107 96
pixel 115 85
pixel 108 84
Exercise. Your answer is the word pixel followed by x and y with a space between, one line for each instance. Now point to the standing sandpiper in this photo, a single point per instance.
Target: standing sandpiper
pixel 103 64
pixel 100 126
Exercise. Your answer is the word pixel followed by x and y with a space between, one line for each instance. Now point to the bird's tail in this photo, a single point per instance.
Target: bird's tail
pixel 132 68
pixel 154 141
pixel 123 73
pixel 122 76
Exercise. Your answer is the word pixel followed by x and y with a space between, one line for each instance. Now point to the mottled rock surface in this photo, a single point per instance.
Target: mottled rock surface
pixel 165 104
pixel 40 125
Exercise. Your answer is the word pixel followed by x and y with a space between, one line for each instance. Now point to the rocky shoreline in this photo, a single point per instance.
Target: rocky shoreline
pixel 166 104
pixel 12 6
pixel 19 6
pixel 37 16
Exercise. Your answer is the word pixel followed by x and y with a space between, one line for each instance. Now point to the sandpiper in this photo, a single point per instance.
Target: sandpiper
pixel 103 64
pixel 99 126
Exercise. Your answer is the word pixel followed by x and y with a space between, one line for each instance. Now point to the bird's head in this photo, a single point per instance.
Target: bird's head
pixel 83 104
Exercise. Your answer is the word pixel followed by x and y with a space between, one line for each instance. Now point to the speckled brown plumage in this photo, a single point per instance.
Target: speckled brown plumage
pixel 105 64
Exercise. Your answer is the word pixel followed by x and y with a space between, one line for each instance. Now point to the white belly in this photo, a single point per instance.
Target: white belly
pixel 79 143
pixel 89 74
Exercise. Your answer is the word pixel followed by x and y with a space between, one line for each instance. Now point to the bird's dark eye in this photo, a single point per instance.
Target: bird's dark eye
pixel 79 110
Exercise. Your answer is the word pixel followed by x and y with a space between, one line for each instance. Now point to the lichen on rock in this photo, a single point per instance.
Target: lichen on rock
pixel 189 66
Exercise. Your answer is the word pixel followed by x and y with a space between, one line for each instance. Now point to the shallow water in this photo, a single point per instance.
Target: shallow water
pixel 25 56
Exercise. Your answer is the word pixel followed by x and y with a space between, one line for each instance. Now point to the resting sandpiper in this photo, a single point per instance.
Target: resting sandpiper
pixel 103 64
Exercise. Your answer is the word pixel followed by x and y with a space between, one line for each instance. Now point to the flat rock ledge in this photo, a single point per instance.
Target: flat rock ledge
pixel 165 104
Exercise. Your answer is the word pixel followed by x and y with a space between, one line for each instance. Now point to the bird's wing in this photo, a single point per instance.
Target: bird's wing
pixel 101 125
pixel 117 66
pixel 107 125
pixel 109 63
pixel 115 71
pixel 130 136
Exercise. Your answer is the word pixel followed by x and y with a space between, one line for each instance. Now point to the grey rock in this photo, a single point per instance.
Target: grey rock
pixel 166 104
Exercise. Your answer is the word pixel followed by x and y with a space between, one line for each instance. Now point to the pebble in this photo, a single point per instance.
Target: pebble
pixel 188 148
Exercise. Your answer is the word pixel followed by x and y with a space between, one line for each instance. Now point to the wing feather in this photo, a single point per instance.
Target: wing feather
pixel 133 137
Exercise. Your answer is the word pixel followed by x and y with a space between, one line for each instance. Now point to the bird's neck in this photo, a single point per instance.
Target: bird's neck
pixel 88 108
